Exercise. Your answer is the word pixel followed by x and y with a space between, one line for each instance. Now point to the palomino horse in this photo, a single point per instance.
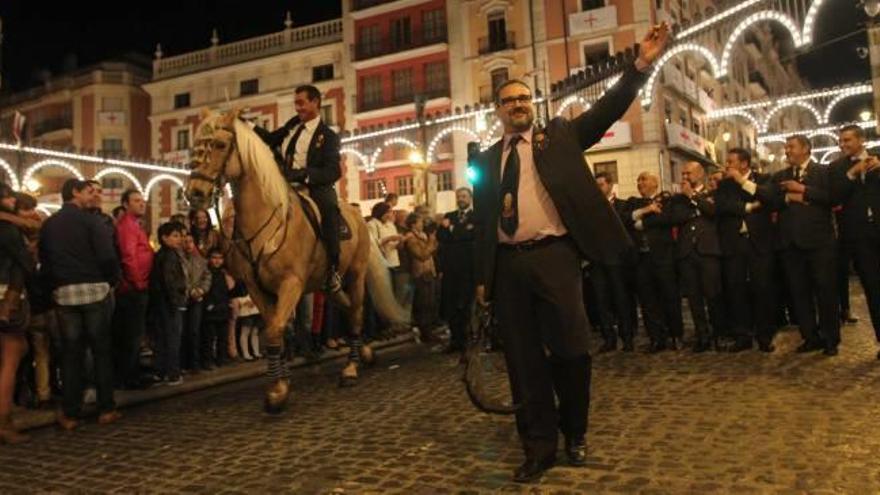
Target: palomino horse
pixel 275 250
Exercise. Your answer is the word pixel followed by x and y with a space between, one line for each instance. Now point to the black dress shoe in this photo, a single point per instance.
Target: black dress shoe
pixel 628 346
pixel 700 347
pixel 830 351
pixel 674 344
pixel 576 450
pixel 608 346
pixel 656 347
pixel 810 346
pixel 532 470
pixel 741 345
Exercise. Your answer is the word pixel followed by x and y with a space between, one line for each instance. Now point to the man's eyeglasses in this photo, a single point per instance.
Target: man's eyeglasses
pixel 511 100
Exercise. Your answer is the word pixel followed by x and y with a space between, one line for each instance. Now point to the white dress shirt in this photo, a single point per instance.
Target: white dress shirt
pixel 301 150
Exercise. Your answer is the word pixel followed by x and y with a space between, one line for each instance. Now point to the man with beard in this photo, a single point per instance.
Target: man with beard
pixel 537 212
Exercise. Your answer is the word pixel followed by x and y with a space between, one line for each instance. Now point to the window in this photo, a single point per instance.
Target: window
pixel 111 104
pixel 322 73
pixel 683 116
pixel 368 40
pixel 375 189
pixel 497 31
pixel 667 110
pixel 401 34
pixel 402 84
pixel 183 139
pixel 181 100
pixel 499 77
pixel 405 185
pixel 596 53
pixel 110 183
pixel 444 181
pixel 371 89
pixel 436 77
pixel 249 87
pixel 433 25
pixel 592 4
pixel 111 146
pixel 327 114
pixel 607 167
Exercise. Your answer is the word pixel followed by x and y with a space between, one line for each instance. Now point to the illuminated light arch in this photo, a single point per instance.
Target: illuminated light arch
pixel 828 154
pixel 571 100
pixel 647 97
pixel 48 208
pixel 389 142
pixel 432 146
pixel 810 21
pixel 159 178
pixel 11 174
pixel 29 173
pixel 737 113
pixel 364 159
pixel 765 15
pixel 849 92
pixel 802 104
pixel 120 171
pixel 823 133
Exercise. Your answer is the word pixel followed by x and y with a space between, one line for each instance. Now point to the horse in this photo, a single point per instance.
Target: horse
pixel 275 250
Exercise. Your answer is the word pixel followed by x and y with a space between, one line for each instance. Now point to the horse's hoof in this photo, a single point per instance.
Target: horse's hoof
pixel 348 381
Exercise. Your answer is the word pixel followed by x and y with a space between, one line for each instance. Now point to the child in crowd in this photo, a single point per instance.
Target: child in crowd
pixel 248 324
pixel 168 296
pixel 217 313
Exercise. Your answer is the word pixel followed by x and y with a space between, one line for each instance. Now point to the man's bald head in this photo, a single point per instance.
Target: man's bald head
pixel 647 183
pixel 694 173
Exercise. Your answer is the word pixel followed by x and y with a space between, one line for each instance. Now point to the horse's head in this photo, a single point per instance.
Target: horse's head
pixel 214 160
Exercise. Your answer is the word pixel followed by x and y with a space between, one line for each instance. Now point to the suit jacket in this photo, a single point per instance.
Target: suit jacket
pixel 695 218
pixel 855 197
pixel 322 160
pixel 655 238
pixel 456 257
pixel 558 155
pixel 730 212
pixel 802 226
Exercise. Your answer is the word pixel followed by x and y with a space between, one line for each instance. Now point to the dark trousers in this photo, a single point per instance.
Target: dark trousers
pixel 844 259
pixel 128 330
pixel 424 298
pixel 192 341
pixel 866 254
pixel 81 326
pixel 812 276
pixel 659 297
pixel 612 301
pixel 325 199
pixel 169 336
pixel 214 340
pixel 539 305
pixel 701 284
pixel 750 288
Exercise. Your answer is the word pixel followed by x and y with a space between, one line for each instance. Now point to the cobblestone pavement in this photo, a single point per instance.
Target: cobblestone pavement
pixel 670 423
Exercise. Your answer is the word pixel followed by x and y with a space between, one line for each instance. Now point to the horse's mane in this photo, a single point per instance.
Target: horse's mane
pixel 257 156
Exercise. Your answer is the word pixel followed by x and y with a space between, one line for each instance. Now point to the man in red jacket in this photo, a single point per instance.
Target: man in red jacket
pixel 136 256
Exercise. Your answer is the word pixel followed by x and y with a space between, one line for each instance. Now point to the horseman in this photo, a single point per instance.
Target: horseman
pixel 307 151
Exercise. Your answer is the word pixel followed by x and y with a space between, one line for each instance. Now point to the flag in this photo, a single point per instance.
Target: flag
pixel 18 126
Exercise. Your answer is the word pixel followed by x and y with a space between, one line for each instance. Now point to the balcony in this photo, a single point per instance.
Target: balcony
pixel 492 44
pixel 385 46
pixel 365 105
pixel 52 125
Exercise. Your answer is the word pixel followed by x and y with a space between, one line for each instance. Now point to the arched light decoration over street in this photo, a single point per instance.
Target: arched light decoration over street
pixel 810 21
pixel 648 95
pixel 119 171
pixel 717 18
pixel 746 23
pixel 851 91
pixel 48 208
pixel 364 160
pixel 571 100
pixel 829 130
pixel 94 159
pixel 735 113
pixel 432 147
pixel 13 180
pixel 29 173
pixel 389 142
pixel 765 126
pixel 159 178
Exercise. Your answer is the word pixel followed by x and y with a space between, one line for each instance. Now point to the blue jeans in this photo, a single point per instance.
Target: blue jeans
pixel 169 336
pixel 87 323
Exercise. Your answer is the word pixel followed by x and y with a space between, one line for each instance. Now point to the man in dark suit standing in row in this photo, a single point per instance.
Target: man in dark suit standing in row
pixel 538 212
pixel 699 253
pixel 856 178
pixel 650 225
pixel 609 284
pixel 802 195
pixel 456 256
pixel 745 229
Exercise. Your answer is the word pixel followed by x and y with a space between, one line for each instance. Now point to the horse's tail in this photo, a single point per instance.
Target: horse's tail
pixel 381 291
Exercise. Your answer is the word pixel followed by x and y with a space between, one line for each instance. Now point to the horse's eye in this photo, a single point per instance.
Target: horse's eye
pixel 220 145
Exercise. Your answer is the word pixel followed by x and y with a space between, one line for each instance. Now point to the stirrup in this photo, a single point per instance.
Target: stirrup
pixel 333 283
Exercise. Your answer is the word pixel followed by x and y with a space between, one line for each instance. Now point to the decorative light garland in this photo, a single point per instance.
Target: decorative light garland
pixel 647 97
pixel 50 162
pixel 829 130
pixel 440 135
pixel 121 171
pixel 571 100
pixel 849 92
pixel 155 180
pixel 765 15
pixel 765 126
pixel 11 174
pixel 365 161
pixel 857 88
pixel 737 113
pixel 717 18
pixel 810 20
pixel 93 159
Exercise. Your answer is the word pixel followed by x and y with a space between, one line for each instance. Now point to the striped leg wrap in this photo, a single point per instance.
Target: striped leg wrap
pixel 354 353
pixel 277 366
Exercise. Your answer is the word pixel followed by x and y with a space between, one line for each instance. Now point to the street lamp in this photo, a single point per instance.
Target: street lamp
pixel 771 157
pixel 865 115
pixel 726 137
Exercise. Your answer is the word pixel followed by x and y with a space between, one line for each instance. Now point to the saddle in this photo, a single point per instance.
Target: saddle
pixel 313 214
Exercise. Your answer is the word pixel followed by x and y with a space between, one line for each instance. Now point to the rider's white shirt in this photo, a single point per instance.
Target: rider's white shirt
pixel 302 143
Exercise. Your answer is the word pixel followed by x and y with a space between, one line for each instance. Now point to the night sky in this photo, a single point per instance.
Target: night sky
pixel 75 34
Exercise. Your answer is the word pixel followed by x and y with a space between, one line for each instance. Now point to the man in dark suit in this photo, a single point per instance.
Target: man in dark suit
pixel 307 151
pixel 699 253
pixel 609 284
pixel 650 225
pixel 802 195
pixel 538 211
pixel 456 257
pixel 856 178
pixel 745 229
